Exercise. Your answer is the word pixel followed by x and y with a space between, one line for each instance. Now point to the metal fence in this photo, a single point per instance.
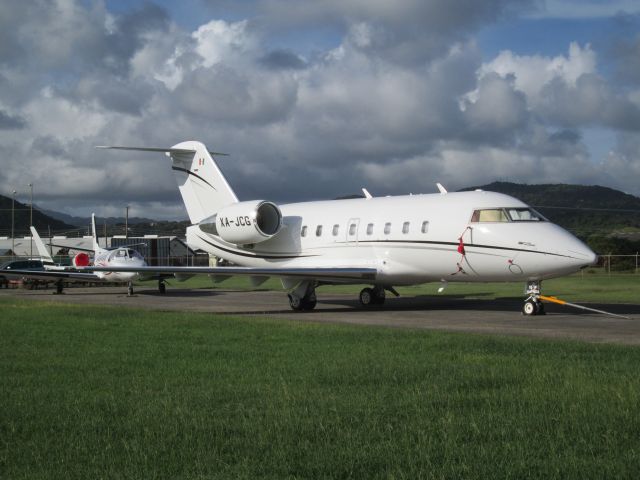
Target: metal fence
pixel 197 260
pixel 614 264
pixel 608 264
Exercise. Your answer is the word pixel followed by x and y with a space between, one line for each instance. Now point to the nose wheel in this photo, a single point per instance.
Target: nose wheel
pixel 533 305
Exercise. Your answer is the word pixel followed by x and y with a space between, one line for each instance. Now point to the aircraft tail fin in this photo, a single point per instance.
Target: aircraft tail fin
pixel 42 248
pixel 94 233
pixel 203 187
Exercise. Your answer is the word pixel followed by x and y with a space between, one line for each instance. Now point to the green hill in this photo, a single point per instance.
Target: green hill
pixel 41 221
pixel 606 219
pixel 583 209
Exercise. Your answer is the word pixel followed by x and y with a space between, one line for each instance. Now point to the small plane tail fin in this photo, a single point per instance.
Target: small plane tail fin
pixel 94 233
pixel 203 187
pixel 42 248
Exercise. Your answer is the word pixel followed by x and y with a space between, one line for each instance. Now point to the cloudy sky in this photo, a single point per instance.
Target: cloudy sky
pixel 315 99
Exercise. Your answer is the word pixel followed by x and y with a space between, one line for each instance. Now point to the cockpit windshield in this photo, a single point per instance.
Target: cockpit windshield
pixel 124 254
pixel 524 215
pixel 517 214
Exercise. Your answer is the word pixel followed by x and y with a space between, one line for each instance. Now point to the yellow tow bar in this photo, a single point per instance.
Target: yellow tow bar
pixel 562 302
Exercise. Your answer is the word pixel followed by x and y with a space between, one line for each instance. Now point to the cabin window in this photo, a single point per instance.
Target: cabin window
pixel 303 232
pixel 370 229
pixel 524 215
pixel 352 229
pixel 387 228
pixel 336 229
pixel 489 215
pixel 425 227
pixel 405 227
pixel 318 230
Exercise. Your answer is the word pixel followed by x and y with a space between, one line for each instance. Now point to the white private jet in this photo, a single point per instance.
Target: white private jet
pixel 123 256
pixel 383 241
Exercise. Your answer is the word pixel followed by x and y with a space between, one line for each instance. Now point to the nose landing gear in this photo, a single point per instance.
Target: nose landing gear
pixel 533 305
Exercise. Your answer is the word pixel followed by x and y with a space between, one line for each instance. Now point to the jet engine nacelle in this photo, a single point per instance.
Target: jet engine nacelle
pixel 81 260
pixel 248 222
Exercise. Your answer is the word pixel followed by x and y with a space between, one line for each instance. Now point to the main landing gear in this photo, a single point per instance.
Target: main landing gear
pixel 533 305
pixel 162 287
pixel 303 297
pixel 375 295
pixel 372 296
pixel 308 302
pixel 130 289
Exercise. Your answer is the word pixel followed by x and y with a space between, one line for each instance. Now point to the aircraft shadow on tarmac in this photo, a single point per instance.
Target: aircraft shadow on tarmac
pixel 450 303
pixel 332 303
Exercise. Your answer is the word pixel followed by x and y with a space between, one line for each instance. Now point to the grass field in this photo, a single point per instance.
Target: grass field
pixel 600 288
pixel 122 393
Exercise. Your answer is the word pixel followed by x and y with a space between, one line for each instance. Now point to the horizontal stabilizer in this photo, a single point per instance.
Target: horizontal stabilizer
pixel 160 150
pixel 75 249
pixel 203 187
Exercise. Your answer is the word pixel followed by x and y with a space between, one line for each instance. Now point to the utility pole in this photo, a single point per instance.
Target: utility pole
pixel 31 216
pixel 13 222
pixel 126 223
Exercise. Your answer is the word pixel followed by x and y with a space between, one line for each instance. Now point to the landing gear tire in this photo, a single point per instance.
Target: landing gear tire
pixel 540 306
pixel 162 287
pixel 372 296
pixel 378 296
pixel 302 304
pixel 130 290
pixel 59 288
pixel 530 307
pixel 309 303
pixel 366 297
pixel 295 302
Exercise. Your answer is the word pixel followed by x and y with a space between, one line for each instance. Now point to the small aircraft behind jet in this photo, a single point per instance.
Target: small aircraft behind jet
pixel 383 241
pixel 122 256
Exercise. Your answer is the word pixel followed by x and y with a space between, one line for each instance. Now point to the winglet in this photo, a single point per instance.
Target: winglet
pixel 367 195
pixel 441 188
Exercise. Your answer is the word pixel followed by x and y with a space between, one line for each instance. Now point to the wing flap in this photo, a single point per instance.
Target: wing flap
pixel 50 275
pixel 323 273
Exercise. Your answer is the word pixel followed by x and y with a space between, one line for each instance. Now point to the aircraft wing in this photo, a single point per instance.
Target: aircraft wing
pixel 50 275
pixel 345 275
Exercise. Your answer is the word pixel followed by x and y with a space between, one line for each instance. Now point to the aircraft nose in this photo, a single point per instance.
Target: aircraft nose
pixel 582 253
